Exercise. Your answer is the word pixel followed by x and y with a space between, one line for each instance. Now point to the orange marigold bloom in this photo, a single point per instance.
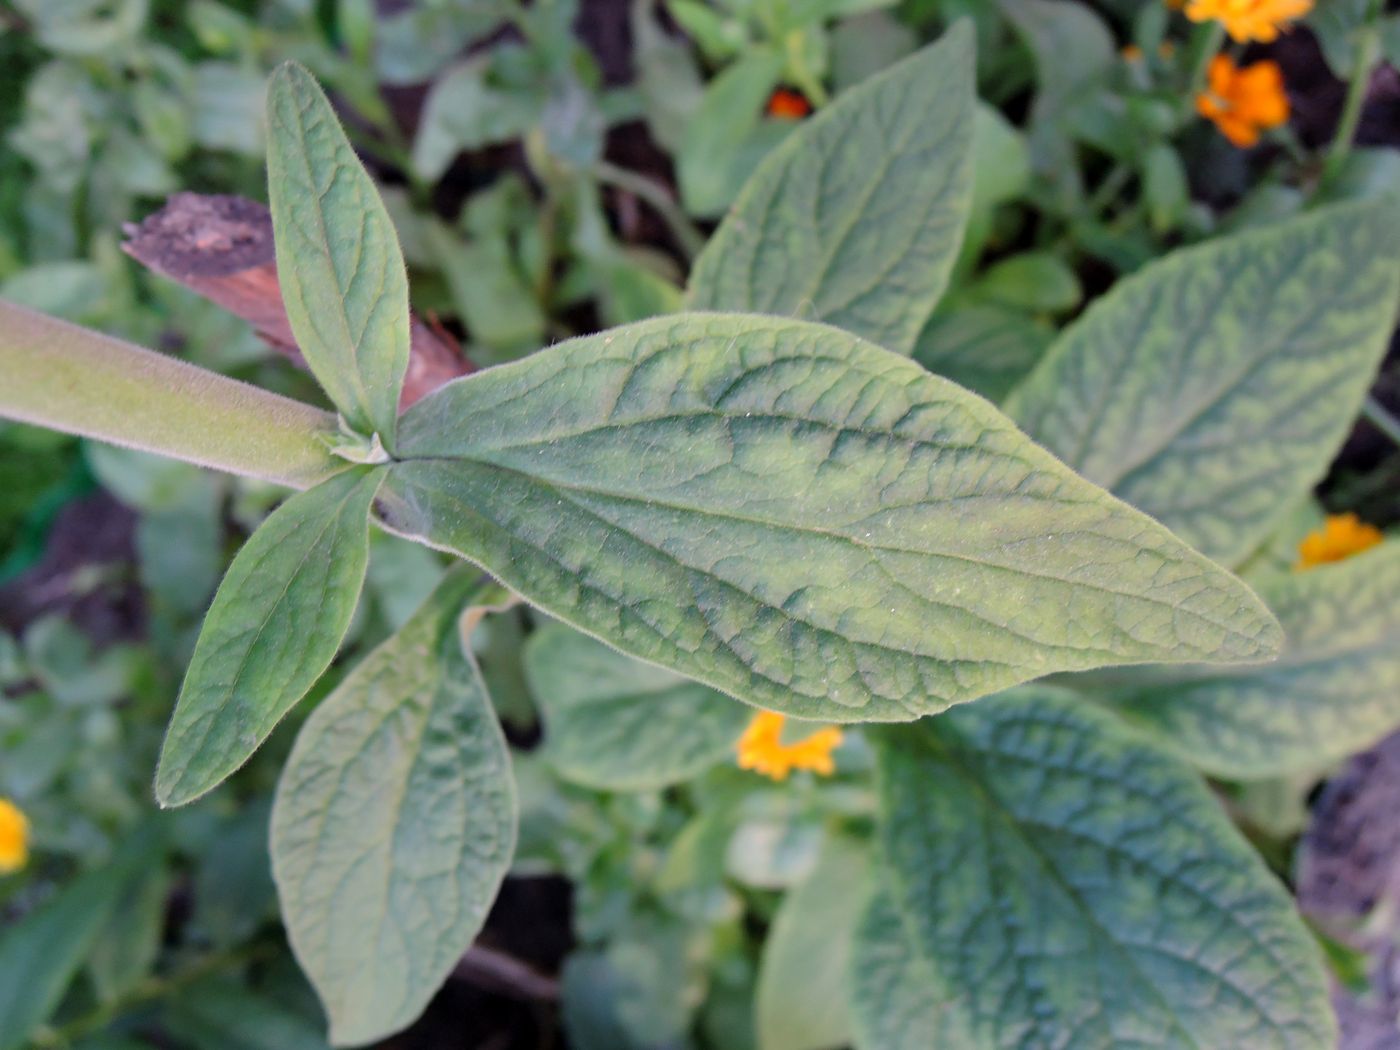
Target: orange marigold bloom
pixel 761 748
pixel 788 105
pixel 1341 536
pixel 1130 53
pixel 14 838
pixel 1246 20
pixel 1243 101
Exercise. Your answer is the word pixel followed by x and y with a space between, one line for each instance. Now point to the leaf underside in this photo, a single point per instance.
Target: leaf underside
pixel 800 519
pixel 1059 882
pixel 273 628
pixel 1212 389
pixel 394 823
pixel 338 260
pixel 856 218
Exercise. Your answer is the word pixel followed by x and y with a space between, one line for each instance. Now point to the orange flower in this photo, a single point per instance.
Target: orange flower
pixel 1247 20
pixel 1130 53
pixel 788 105
pixel 1243 101
pixel 14 838
pixel 761 748
pixel 1341 536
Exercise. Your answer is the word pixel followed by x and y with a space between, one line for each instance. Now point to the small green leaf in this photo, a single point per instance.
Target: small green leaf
pixel 1062 883
pixel 274 626
pixel 856 218
pixel 800 519
pixel 1212 389
pixel 395 822
pixel 801 995
pixel 1335 689
pixel 617 724
pixel 986 348
pixel 338 260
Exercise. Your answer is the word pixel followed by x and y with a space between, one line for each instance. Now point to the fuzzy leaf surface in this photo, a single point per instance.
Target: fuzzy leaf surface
pixel 800 519
pixel 1066 884
pixel 617 724
pixel 1334 690
pixel 856 219
pixel 338 259
pixel 1212 389
pixel 395 823
pixel 274 626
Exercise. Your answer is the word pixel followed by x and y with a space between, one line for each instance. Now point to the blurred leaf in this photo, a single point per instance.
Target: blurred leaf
pixel 496 304
pixel 85 27
pixel 866 44
pixel 667 77
pixel 395 822
pixel 876 185
pixel 338 258
pixel 71 290
pixel 1164 188
pixel 228 108
pixel 802 980
pixel 1036 828
pixel 124 952
pixel 1037 282
pixel 464 112
pixel 42 951
pixel 1212 389
pixel 617 724
pixel 274 627
pixel 220 1014
pixel 726 138
pixel 414 44
pixel 233 890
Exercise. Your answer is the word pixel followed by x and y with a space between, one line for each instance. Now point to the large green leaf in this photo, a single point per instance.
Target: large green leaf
pixel 338 260
pixel 274 626
pixel 856 218
pixel 395 822
pixel 800 999
pixel 895 999
pixel 1212 389
pixel 617 724
pixel 1064 884
pixel 800 519
pixel 1335 689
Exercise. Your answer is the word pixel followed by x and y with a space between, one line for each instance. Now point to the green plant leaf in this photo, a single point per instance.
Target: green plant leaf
pixel 338 260
pixel 395 821
pixel 1335 689
pixel 1212 389
pixel 893 990
pixel 800 519
pixel 1064 883
pixel 42 952
pixel 857 217
pixel 800 1002
pixel 274 626
pixel 617 724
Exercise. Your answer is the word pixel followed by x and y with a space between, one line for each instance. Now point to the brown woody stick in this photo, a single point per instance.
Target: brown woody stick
pixel 221 247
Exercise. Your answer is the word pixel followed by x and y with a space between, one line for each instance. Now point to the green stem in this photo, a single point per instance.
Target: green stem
pixel 1376 414
pixel 57 375
pixel 690 239
pixel 1368 42
pixel 1205 45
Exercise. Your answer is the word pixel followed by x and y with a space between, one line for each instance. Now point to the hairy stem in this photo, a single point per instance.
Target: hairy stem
pixel 58 375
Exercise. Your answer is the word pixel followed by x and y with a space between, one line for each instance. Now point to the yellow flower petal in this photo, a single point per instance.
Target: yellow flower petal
pixel 1341 536
pixel 14 838
pixel 762 750
pixel 1246 20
